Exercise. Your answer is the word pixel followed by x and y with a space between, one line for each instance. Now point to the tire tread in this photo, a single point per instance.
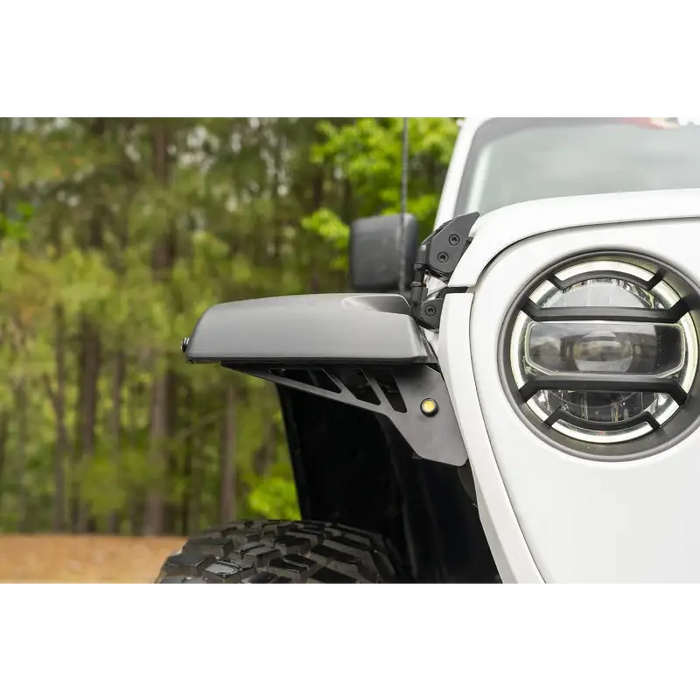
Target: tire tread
pixel 279 551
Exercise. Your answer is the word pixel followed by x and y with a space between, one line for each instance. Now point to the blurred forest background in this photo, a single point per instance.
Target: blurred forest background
pixel 115 235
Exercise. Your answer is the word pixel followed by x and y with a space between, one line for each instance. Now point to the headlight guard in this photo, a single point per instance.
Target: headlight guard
pixel 600 354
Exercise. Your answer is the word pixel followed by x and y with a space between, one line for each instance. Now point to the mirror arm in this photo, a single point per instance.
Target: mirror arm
pixel 438 257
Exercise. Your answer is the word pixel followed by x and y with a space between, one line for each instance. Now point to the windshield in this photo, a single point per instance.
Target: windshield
pixel 514 160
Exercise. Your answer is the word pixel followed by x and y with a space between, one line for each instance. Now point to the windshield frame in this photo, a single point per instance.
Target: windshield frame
pixel 503 126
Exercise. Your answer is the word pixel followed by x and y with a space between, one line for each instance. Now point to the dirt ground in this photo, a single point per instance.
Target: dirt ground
pixel 82 558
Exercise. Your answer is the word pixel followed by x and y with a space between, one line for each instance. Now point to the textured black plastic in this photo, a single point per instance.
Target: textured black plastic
pixel 319 328
pixel 380 258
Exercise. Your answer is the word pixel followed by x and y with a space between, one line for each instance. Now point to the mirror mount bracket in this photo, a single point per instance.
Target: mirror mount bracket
pixel 438 257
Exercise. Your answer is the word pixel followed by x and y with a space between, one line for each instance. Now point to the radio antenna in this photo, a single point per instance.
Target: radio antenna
pixel 404 201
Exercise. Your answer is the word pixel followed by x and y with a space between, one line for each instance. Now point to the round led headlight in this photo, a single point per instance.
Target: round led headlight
pixel 604 351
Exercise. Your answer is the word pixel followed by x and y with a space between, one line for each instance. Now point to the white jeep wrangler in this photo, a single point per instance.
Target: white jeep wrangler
pixel 528 411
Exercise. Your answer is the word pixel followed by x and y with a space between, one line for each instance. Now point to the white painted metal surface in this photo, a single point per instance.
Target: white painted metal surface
pixel 502 228
pixel 570 518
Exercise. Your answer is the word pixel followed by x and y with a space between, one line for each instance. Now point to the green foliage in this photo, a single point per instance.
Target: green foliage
pixel 274 497
pixel 368 152
pixel 115 235
pixel 16 227
pixel 329 227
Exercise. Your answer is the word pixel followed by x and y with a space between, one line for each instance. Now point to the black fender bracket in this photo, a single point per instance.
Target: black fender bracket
pixel 414 398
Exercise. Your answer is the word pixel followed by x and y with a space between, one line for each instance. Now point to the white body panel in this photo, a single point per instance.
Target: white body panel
pixel 505 538
pixel 502 228
pixel 549 515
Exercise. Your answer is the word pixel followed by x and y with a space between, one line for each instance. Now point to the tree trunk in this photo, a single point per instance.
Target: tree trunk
pixel 164 382
pixel 4 423
pixel 21 456
pixel 227 506
pixel 116 426
pixel 197 484
pixel 89 369
pixel 155 504
pixel 171 509
pixel 187 469
pixel 266 452
pixel 134 509
pixel 61 449
pixel 128 175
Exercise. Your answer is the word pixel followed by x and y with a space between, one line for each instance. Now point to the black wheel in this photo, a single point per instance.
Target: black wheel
pixel 277 551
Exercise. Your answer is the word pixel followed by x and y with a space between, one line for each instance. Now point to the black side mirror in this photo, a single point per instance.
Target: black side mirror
pixel 381 257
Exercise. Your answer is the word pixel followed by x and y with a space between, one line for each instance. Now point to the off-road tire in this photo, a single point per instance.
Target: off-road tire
pixel 277 551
